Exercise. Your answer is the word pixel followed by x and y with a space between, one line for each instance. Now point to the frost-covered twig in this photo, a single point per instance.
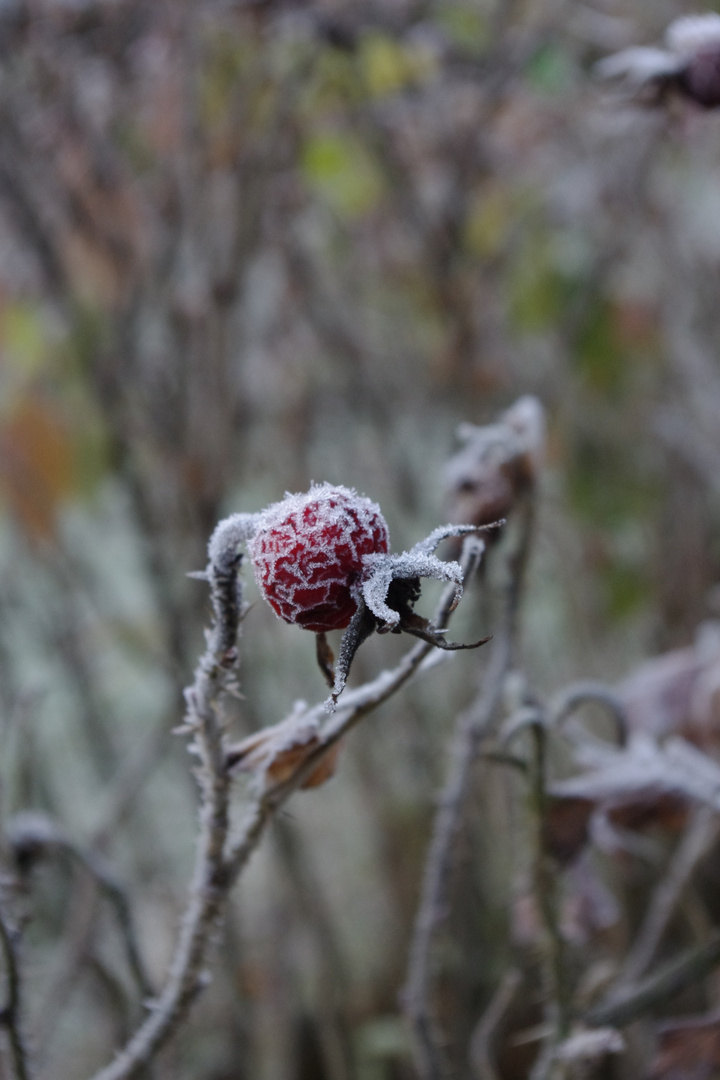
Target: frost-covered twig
pixel 471 727
pixel 220 858
pixel 10 1014
pixel 213 678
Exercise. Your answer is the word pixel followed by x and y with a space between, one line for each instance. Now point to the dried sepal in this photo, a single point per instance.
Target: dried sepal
pixel 388 594
pixel 362 625
pixel 325 659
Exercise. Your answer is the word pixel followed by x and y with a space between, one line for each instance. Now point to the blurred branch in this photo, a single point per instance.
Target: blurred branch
pixel 621 1008
pixel 333 978
pixel 10 1017
pixel 589 692
pixel 32 835
pixel 700 835
pixel 471 727
pixel 545 889
pixel 481 1040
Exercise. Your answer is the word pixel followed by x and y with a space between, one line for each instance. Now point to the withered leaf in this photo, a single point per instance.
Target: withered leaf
pixel 276 753
pixel 688 1049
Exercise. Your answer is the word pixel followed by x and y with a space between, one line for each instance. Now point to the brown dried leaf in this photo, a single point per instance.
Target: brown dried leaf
pixel 689 1049
pixel 566 826
pixel 678 693
pixel 276 753
pixel 645 784
pixel 36 465
pixel 496 464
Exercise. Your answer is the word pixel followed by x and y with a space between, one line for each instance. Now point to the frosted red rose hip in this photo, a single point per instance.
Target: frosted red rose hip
pixel 307 553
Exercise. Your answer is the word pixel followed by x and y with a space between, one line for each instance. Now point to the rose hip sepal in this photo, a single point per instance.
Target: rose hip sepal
pixel 322 560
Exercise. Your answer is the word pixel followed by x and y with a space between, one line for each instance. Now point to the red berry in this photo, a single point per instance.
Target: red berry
pixel 308 551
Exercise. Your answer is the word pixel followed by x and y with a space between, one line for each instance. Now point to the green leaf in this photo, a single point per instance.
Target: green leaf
pixel 341 171
pixel 598 352
pixel 24 338
pixel 551 71
pixel 463 24
pixel 389 67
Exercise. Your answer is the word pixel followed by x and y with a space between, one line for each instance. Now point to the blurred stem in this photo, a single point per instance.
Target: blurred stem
pixel 700 835
pixel 627 1005
pixel 429 1042
pixel 333 980
pixel 481 1056
pixel 545 888
pixel 10 1017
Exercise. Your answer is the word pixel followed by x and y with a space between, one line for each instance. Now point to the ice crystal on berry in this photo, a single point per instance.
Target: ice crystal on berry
pixel 308 553
pixel 322 561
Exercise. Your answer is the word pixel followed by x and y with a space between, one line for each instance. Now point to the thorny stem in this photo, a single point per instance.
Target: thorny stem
pixel 220 859
pixel 10 1013
pixel 213 677
pixel 471 727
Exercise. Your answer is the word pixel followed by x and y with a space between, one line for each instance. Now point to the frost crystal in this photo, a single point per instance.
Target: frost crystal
pixel 308 553
pixel 693 33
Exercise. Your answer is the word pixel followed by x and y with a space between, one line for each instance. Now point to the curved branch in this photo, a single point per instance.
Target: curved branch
pixel 471 726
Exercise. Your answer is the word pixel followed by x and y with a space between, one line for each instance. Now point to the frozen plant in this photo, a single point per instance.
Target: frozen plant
pixel 322 561
pixel 689 62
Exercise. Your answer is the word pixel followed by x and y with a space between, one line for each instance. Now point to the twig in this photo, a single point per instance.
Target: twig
pixel 586 692
pixel 333 1037
pixel 10 1017
pixel 471 727
pixel 701 833
pixel 557 992
pixel 557 995
pixel 213 678
pixel 32 834
pixel 113 890
pixel 632 1002
pixel 481 1057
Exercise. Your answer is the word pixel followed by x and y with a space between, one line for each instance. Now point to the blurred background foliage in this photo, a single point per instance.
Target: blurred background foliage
pixel 247 245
